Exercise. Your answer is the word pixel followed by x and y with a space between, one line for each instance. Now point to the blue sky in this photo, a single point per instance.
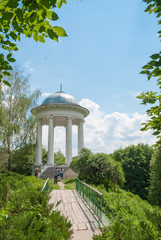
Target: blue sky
pixel 108 42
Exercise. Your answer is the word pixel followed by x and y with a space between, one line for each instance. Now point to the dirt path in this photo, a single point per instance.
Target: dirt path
pixel 61 185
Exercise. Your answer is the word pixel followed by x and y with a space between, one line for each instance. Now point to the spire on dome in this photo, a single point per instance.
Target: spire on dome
pixel 60 87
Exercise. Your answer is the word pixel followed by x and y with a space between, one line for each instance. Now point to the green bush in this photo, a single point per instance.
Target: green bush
pixel 136 166
pixel 25 213
pixel 59 158
pixel 73 164
pixel 155 183
pixel 23 159
pixel 99 168
pixel 131 217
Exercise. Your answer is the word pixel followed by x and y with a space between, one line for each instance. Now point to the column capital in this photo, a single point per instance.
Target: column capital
pixel 69 118
pixel 81 121
pixel 39 120
pixel 50 117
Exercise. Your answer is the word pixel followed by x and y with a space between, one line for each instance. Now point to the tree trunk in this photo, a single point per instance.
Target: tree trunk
pixel 9 154
pixel 9 159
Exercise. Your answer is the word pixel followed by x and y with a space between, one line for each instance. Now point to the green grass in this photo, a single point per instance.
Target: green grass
pixel 52 185
pixel 70 183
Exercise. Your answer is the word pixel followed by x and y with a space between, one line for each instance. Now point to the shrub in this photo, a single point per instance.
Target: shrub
pixel 131 217
pixel 73 164
pixel 59 158
pixel 25 213
pixel 99 168
pixel 136 165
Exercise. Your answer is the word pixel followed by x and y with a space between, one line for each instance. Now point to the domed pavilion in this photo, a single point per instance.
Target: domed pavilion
pixel 59 109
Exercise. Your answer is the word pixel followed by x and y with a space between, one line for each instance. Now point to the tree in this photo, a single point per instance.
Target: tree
pixel 153 70
pixel 3 158
pixel 136 166
pixel 31 18
pixel 155 187
pixel 17 126
pixel 59 158
pixel 23 159
pixel 99 168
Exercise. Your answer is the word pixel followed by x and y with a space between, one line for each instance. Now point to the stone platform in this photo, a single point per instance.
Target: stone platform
pixel 49 172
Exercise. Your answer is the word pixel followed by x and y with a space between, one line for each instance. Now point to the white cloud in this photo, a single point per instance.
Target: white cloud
pixel 133 94
pixel 108 132
pixel 45 94
pixel 28 66
pixel 105 132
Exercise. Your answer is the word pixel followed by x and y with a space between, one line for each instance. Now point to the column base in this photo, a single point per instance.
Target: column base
pixel 50 164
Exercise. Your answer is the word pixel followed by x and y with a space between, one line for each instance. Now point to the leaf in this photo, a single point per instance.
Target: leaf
pixel 33 17
pixel 19 14
pixel 9 55
pixel 52 34
pixel 7 83
pixel 11 60
pixel 60 31
pixel 41 29
pixel 52 16
pixel 7 15
pixel 155 56
pixel 60 4
pixel 12 4
pixel 41 38
pixel 6 73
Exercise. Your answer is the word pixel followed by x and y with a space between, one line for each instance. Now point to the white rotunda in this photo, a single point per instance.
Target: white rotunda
pixel 59 109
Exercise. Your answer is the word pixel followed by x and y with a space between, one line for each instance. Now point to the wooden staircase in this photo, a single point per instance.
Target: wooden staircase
pixel 49 173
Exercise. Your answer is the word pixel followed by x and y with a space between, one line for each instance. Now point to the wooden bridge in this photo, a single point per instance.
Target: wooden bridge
pixel 85 221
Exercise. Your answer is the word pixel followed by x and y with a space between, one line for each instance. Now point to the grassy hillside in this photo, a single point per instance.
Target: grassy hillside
pixel 131 217
pixel 25 213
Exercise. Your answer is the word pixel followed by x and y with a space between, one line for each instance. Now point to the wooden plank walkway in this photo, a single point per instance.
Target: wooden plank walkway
pixel 84 224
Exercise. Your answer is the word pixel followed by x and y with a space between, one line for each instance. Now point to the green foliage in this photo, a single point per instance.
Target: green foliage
pixel 3 158
pixel 29 18
pixel 23 159
pixel 131 217
pixel 136 165
pixel 17 126
pixel 59 158
pixel 44 155
pixel 73 164
pixel 99 168
pixel 25 213
pixel 153 70
pixel 155 187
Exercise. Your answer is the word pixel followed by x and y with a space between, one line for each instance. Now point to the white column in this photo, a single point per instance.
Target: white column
pixel 69 141
pixel 38 160
pixel 80 135
pixel 66 160
pixel 53 144
pixel 50 142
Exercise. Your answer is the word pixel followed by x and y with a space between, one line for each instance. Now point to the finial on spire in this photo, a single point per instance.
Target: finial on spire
pixel 60 87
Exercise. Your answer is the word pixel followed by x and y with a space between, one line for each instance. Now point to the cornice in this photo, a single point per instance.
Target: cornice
pixel 60 106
